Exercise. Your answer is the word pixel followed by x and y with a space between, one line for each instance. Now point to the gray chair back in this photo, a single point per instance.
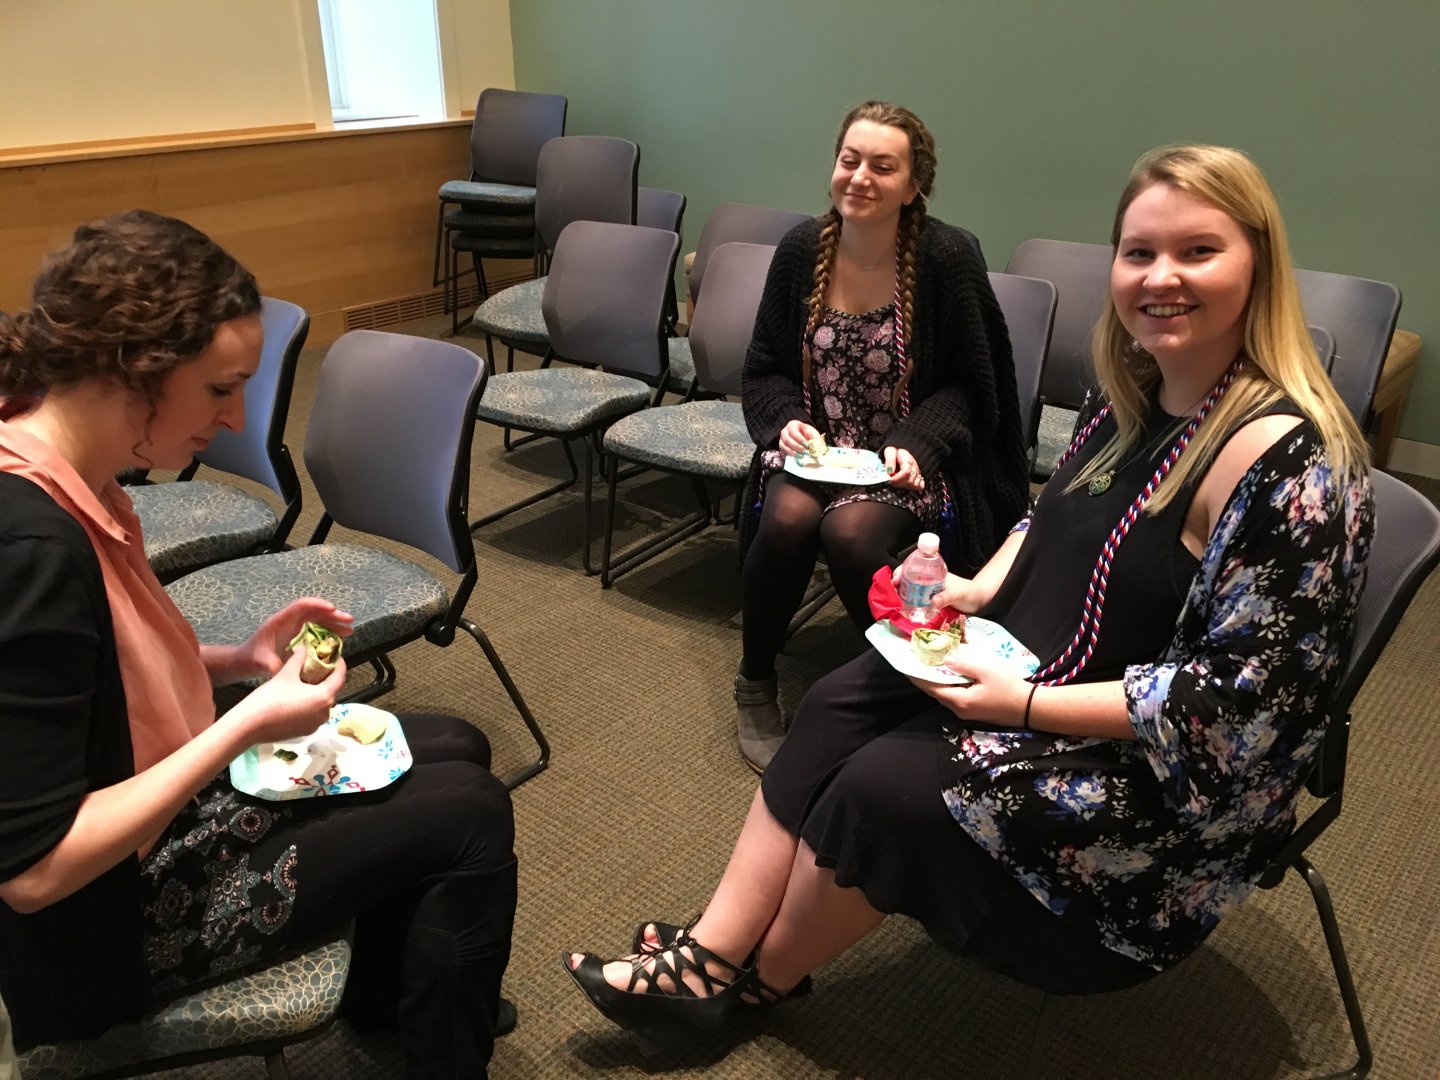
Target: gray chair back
pixel 1324 347
pixel 725 319
pixel 509 130
pixel 1360 314
pixel 604 301
pixel 1029 307
pixel 1081 276
pixel 740 224
pixel 388 445
pixel 656 208
pixel 257 452
pixel 584 178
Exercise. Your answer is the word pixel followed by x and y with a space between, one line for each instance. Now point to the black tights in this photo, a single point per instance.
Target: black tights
pixel 857 539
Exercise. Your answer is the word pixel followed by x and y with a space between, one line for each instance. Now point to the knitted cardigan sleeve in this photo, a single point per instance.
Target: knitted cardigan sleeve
pixel 770 390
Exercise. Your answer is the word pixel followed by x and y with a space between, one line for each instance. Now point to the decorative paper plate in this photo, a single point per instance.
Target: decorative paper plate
pixel 979 633
pixel 863 467
pixel 325 762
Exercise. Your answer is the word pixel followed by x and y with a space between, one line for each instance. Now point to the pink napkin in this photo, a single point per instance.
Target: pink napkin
pixel 885 604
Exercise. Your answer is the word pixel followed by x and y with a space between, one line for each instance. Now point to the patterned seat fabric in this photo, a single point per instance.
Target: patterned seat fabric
pixel 478 191
pixel 492 225
pixel 559 400
pixel 390 598
pixel 194 522
pixel 514 314
pixel 1056 424
pixel 286 999
pixel 682 363
pixel 701 438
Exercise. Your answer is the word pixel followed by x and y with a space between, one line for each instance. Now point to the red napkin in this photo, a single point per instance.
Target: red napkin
pixel 885 604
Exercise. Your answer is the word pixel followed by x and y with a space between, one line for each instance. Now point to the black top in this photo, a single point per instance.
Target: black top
pixel 964 414
pixel 62 705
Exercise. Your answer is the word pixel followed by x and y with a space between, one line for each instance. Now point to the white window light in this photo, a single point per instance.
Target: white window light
pixel 382 59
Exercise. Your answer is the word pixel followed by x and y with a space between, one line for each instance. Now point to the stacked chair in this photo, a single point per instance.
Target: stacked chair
pixel 703 440
pixel 388 449
pixel 1359 315
pixel 492 214
pixel 603 308
pixel 728 223
pixel 579 178
pixel 191 523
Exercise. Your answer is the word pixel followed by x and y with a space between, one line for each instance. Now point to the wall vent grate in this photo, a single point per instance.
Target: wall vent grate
pixel 405 309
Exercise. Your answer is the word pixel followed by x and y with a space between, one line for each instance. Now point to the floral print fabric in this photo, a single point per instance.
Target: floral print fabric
pixel 855 372
pixel 1149 843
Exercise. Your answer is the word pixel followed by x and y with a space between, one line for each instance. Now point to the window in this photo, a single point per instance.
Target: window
pixel 382 59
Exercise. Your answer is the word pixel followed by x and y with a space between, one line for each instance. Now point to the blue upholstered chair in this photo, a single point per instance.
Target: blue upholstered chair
pixel 191 523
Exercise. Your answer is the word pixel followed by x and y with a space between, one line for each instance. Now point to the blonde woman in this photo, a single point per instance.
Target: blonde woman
pixel 878 330
pixel 1088 826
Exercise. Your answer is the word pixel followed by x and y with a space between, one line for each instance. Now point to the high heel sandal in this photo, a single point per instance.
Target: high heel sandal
pixel 666 935
pixel 659 1013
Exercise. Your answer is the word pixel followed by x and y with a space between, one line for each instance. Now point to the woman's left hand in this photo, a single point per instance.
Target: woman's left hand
pixel 996 697
pixel 264 654
pixel 904 470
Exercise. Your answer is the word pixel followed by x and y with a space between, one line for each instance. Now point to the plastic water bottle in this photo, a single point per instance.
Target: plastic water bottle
pixel 921 575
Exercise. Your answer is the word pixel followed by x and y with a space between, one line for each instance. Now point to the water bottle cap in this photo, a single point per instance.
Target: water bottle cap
pixel 928 543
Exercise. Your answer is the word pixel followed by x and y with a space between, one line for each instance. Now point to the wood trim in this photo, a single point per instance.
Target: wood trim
pixel 150 141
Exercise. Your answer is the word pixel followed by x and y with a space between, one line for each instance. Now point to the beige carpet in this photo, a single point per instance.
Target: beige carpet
pixel 636 815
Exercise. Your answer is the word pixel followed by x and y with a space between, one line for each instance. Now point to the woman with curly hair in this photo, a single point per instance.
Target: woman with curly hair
pixel 878 329
pixel 130 869
pixel 1188 582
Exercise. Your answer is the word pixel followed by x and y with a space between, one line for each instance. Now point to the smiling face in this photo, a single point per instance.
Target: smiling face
pixel 872 178
pixel 199 397
pixel 1181 277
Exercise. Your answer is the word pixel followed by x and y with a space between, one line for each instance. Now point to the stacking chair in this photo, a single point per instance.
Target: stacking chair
pixel 1029 307
pixel 703 440
pixel 727 223
pixel 604 307
pixel 656 208
pixel 579 178
pixel 1405 551
pixel 1360 315
pixel 192 523
pixel 388 448
pixel 256 1014
pixel 492 214
pixel 1324 347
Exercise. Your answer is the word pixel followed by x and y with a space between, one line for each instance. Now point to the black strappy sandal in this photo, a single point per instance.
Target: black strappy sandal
pixel 667 933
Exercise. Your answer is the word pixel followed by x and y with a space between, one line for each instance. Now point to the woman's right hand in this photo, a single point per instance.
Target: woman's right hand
pixel 794 436
pixel 287 707
pixel 958 592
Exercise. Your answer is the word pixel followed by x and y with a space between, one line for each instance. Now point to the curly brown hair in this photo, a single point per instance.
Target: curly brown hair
pixel 133 296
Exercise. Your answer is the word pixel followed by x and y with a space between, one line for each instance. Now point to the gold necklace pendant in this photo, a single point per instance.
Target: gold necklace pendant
pixel 1101 484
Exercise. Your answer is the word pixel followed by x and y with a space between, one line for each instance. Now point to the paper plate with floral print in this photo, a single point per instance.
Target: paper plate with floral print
pixel 325 762
pixel 840 465
pixel 981 633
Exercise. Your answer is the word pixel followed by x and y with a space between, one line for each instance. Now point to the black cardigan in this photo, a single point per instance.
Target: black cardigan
pixel 964 414
pixel 75 968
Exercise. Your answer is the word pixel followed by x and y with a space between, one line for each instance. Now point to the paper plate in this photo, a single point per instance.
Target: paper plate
pixel 868 468
pixel 981 633
pixel 326 762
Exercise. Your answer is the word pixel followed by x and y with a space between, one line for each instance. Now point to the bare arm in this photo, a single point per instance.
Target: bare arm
pixel 971 594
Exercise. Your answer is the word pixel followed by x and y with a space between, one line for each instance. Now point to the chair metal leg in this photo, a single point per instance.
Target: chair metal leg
pixel 645 550
pixel 814 600
pixel 275 1067
pixel 518 777
pixel 1034 1066
pixel 439 240
pixel 530 500
pixel 1320 893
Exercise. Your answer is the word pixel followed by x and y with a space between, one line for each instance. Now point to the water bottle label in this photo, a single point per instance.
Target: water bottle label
pixel 914 594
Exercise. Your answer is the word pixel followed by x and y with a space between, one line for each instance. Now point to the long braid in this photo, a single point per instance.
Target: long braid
pixel 912 223
pixel 824 263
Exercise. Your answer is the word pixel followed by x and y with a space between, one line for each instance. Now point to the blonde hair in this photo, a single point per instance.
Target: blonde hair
pixel 1279 358
pixel 912 224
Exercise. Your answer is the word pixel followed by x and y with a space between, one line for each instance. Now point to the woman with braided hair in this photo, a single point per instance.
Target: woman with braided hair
pixel 877 329
pixel 1088 825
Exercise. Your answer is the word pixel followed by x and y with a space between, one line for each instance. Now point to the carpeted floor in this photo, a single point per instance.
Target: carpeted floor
pixel 636 815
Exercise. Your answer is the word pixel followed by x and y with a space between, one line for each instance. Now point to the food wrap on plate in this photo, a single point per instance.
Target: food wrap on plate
pixel 322 651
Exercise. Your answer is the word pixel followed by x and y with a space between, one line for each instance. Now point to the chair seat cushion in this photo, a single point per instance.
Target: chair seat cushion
pixel 560 400
pixel 700 438
pixel 1056 424
pixel 282 1001
pixel 514 314
pixel 493 226
pixel 476 193
pixel 191 523
pixel 494 247
pixel 391 599
pixel 682 363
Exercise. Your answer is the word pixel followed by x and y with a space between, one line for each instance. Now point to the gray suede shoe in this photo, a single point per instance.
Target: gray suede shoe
pixel 759 724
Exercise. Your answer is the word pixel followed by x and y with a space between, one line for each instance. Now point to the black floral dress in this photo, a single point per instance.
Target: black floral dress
pixel 856 371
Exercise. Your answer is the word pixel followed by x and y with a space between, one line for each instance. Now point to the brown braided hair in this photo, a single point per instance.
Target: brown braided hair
pixel 132 297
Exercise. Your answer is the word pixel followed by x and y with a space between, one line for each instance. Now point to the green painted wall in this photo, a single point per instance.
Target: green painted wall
pixel 1039 109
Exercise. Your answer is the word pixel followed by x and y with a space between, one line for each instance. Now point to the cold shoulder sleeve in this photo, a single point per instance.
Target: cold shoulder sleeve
pixel 1232 715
